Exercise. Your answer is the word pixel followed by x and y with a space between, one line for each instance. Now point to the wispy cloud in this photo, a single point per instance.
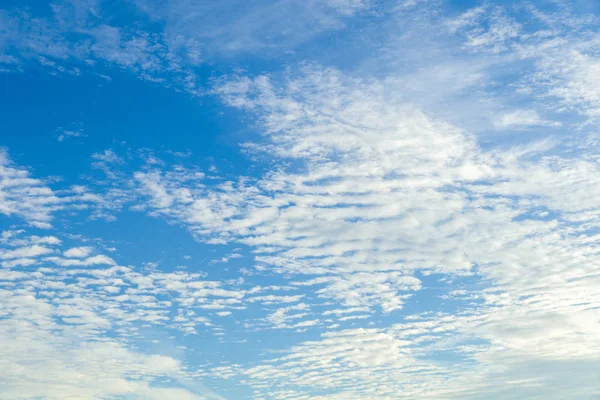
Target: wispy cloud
pixel 32 199
pixel 523 119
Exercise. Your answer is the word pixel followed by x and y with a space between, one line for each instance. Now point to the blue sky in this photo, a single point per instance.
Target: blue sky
pixel 289 200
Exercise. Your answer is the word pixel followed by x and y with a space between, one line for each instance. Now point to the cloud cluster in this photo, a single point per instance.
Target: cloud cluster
pixel 74 38
pixel 383 193
pixel 72 321
pixel 32 199
pixel 556 45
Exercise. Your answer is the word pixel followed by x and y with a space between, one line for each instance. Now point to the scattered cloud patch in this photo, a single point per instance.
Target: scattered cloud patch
pixel 523 119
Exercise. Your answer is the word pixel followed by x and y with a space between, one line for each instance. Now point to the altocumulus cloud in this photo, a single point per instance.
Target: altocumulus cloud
pixel 423 224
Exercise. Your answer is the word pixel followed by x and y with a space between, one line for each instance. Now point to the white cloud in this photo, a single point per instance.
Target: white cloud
pixel 261 26
pixel 349 7
pixel 72 131
pixel 386 191
pixel 73 39
pixel 78 252
pixel 570 74
pixel 94 260
pixel 23 252
pixel 523 119
pixel 223 313
pixel 558 42
pixel 43 363
pixel 54 341
pixel 32 199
